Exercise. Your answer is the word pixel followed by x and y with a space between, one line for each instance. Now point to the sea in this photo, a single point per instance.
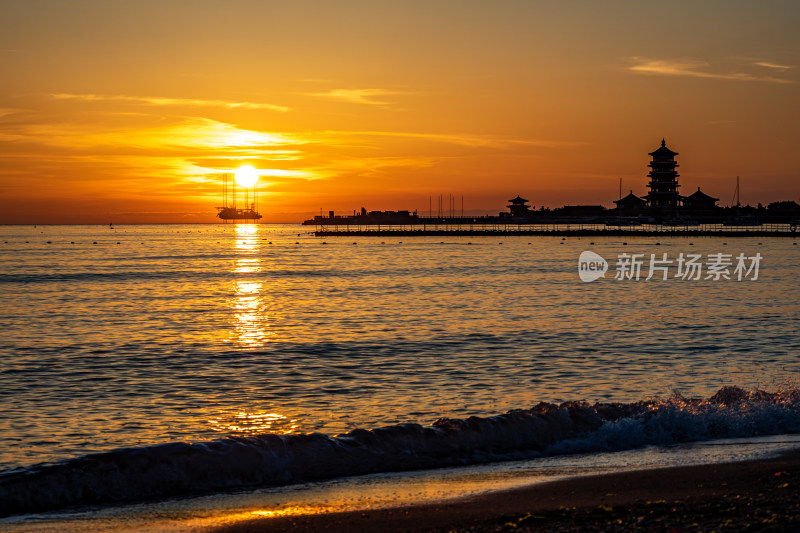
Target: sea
pixel 168 377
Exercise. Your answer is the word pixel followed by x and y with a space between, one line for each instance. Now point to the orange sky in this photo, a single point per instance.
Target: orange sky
pixel 130 111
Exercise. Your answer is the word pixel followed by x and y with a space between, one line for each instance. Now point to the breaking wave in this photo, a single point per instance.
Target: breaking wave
pixel 175 469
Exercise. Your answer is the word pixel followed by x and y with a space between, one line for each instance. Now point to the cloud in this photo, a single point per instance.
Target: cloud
pixel 159 101
pixel 782 68
pixel 358 96
pixel 6 111
pixel 188 134
pixel 283 173
pixel 185 153
pixel 373 165
pixel 160 149
pixel 474 141
pixel 694 68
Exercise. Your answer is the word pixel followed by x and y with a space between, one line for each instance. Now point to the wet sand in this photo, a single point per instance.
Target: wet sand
pixel 747 496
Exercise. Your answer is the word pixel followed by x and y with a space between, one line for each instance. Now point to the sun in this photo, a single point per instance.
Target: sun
pixel 246 176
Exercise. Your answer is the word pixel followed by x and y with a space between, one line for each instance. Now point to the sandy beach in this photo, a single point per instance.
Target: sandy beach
pixel 759 495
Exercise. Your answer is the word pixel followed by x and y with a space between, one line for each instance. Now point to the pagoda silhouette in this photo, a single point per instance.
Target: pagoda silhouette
pixel 663 195
pixel 519 207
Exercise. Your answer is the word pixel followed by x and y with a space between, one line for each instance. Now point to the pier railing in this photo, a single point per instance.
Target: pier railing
pixel 471 226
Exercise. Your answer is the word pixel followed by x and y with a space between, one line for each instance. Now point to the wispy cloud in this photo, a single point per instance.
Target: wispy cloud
pixel 469 140
pixel 358 96
pixel 766 64
pixel 188 134
pixel 368 166
pixel 5 111
pixel 166 150
pixel 177 102
pixel 694 68
pixel 188 153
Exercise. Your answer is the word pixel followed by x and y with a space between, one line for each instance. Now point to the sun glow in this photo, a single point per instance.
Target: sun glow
pixel 246 176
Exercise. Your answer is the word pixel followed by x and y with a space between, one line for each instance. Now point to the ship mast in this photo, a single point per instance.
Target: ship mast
pixel 736 194
pixel 229 209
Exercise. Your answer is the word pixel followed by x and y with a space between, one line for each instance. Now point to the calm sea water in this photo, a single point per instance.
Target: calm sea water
pixel 139 335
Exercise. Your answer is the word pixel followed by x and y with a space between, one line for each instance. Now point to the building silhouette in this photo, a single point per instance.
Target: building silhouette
pixel 518 207
pixel 663 205
pixel 699 203
pixel 631 205
pixel 663 195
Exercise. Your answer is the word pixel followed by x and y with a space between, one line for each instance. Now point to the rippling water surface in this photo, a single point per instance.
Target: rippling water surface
pixel 139 335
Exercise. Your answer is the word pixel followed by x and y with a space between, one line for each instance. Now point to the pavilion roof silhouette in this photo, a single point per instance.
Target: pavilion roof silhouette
pixel 663 151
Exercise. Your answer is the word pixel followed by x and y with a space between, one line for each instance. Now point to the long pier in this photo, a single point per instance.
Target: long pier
pixel 598 230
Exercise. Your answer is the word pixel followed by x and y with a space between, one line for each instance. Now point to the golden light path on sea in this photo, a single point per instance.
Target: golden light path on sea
pixel 248 302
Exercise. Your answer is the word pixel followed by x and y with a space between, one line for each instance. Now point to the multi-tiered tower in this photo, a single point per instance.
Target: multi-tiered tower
pixel 663 184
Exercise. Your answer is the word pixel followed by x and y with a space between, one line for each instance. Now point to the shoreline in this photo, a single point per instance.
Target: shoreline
pixel 758 495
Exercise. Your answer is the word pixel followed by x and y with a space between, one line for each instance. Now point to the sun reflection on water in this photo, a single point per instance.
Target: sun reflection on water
pixel 250 323
pixel 247 238
pixel 246 265
pixel 246 423
pixel 227 519
pixel 287 511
